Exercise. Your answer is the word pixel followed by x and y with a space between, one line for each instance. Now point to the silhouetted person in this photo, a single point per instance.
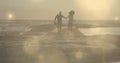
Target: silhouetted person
pixel 59 18
pixel 71 19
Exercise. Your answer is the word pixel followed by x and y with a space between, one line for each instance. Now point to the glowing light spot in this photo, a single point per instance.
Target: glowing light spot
pixel 41 57
pixel 32 45
pixel 10 16
pixel 116 18
pixel 79 55
pixel 55 30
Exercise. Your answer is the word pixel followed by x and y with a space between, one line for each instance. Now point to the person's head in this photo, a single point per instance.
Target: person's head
pixel 71 12
pixel 60 12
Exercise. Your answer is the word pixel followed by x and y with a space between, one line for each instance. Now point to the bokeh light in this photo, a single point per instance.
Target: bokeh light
pixel 10 16
pixel 117 18
pixel 32 45
pixel 79 55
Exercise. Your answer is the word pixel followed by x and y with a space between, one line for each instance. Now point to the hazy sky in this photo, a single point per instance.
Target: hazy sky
pixel 47 9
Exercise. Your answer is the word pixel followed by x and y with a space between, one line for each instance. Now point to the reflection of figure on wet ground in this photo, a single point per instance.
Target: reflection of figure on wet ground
pixel 58 18
pixel 71 18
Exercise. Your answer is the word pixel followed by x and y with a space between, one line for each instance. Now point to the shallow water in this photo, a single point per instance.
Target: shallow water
pixel 100 31
pixel 36 42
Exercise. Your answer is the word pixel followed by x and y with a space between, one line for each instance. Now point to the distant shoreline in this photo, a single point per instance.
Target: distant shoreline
pixel 63 20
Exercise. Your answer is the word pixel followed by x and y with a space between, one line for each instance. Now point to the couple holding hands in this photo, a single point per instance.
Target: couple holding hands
pixel 59 17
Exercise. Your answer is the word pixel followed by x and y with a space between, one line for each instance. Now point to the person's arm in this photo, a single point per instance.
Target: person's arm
pixel 55 19
pixel 64 16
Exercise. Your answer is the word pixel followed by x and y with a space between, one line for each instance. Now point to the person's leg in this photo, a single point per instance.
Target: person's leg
pixel 60 25
pixel 68 26
pixel 71 27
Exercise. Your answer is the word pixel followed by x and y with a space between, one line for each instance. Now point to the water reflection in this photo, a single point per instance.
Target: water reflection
pixel 100 31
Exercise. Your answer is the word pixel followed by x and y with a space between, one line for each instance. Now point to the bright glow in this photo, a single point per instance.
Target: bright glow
pixel 10 16
pixel 100 31
pixel 116 18
pixel 78 55
pixel 32 45
pixel 95 8
pixel 55 29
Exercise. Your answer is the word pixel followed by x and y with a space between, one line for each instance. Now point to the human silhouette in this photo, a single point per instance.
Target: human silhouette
pixel 59 18
pixel 70 20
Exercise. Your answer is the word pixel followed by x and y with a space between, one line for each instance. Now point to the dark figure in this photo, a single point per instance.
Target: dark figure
pixel 71 19
pixel 59 18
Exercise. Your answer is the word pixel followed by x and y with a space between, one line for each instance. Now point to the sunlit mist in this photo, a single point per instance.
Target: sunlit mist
pixel 35 1
pixel 95 9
